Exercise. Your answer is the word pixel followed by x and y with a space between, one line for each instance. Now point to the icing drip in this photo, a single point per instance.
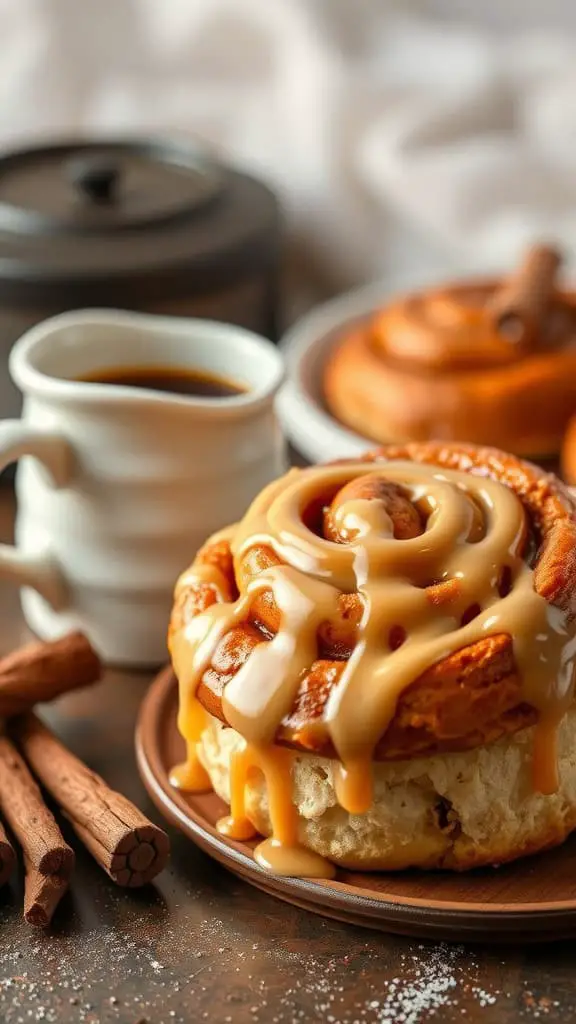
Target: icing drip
pixel 282 853
pixel 237 825
pixel 190 775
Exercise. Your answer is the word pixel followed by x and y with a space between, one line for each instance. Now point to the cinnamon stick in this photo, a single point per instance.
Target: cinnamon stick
pixel 48 860
pixel 42 895
pixel 7 857
pixel 42 671
pixel 519 307
pixel 124 842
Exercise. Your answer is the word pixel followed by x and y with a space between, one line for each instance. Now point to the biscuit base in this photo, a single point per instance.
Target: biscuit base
pixel 456 811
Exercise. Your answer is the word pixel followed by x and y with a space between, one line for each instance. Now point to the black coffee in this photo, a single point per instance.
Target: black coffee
pixel 173 379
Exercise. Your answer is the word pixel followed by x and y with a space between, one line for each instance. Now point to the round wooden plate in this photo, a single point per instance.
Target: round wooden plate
pixel 530 901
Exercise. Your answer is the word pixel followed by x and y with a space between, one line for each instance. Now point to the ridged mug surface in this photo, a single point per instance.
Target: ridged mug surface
pixel 130 482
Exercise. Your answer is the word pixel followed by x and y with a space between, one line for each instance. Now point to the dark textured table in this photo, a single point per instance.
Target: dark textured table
pixel 202 946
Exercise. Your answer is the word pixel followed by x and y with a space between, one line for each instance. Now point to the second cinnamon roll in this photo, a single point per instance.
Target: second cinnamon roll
pixel 491 361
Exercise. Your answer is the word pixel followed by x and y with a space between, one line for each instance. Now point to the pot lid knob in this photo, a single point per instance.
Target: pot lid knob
pixel 95 178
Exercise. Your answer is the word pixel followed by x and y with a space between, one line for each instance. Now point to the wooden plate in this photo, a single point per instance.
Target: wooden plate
pixel 530 901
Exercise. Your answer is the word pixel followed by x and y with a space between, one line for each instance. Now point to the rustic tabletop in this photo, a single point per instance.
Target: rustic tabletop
pixel 200 945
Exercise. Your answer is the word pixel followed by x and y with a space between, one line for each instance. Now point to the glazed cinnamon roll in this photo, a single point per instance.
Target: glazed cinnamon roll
pixel 376 664
pixel 493 362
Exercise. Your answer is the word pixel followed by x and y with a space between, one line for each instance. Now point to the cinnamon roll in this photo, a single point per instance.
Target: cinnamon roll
pixel 376 665
pixel 493 362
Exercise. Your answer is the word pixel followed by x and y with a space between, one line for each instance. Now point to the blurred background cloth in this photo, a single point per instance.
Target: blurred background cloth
pixel 407 140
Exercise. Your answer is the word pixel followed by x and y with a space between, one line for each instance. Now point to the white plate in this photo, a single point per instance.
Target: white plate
pixel 304 416
pixel 305 419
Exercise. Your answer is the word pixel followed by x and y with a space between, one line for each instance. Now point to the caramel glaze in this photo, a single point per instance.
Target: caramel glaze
pixel 394 565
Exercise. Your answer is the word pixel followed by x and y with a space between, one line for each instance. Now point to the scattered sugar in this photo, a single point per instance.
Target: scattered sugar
pixel 438 982
pixel 167 969
pixel 430 987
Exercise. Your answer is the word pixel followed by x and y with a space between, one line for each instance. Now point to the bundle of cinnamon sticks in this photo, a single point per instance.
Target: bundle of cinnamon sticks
pixel 129 847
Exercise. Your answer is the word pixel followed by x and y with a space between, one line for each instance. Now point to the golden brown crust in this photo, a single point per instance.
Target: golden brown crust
pixel 470 698
pixel 195 597
pixel 400 378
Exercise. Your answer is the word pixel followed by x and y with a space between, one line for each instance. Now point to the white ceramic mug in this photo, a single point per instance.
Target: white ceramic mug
pixel 118 486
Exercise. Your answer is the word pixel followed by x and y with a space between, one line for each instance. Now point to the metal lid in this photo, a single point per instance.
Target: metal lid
pixel 107 221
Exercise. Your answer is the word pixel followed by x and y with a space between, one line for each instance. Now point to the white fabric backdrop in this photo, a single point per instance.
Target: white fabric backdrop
pixel 405 144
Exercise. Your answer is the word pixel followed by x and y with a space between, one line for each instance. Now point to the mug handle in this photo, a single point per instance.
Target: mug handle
pixel 27 569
